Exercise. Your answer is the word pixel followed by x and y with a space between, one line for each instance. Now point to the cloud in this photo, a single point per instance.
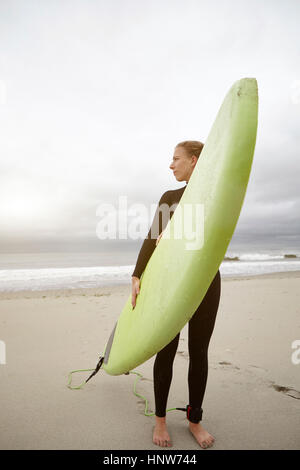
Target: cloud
pixel 97 94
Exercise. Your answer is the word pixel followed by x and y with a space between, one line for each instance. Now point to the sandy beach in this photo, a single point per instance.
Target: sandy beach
pixel 252 399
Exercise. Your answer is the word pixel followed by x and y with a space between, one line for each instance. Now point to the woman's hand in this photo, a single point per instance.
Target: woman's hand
pixel 135 290
pixel 158 238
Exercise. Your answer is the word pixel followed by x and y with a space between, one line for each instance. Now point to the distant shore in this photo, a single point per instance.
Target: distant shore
pixel 237 258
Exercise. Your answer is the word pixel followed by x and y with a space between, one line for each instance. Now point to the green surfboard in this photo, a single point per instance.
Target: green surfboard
pixel 181 269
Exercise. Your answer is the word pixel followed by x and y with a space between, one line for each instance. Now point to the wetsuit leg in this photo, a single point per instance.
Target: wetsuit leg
pixel 201 326
pixel 162 374
pixel 200 329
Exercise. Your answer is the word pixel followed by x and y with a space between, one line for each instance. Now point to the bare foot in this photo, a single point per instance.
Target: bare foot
pixel 160 434
pixel 203 438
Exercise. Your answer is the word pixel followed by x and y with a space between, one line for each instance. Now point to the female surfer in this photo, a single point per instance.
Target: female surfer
pixel 201 324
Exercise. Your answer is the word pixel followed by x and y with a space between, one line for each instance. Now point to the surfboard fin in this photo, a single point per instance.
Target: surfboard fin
pixel 98 366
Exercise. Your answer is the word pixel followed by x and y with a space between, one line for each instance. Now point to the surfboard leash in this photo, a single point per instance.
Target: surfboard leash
pixel 145 399
pixel 96 370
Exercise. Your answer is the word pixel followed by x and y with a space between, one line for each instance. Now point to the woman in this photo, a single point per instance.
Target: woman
pixel 201 324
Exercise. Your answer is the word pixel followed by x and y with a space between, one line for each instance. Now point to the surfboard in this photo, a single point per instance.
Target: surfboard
pixel 181 269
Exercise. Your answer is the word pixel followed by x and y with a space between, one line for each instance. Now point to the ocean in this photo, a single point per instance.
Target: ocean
pixel 55 270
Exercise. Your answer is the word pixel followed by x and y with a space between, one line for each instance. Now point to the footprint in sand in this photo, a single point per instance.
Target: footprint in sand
pixel 182 353
pixel 291 392
pixel 226 363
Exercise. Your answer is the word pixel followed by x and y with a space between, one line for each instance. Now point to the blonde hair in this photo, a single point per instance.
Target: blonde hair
pixel 192 147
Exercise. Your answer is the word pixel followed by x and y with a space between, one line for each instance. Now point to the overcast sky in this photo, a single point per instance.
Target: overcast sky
pixel 94 96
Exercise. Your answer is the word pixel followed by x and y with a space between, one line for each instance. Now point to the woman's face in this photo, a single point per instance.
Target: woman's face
pixel 182 165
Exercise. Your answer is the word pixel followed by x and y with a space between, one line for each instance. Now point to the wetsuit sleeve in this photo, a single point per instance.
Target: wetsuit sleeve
pixel 159 223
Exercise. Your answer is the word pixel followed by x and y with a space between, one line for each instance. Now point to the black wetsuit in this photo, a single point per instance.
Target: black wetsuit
pixel 201 326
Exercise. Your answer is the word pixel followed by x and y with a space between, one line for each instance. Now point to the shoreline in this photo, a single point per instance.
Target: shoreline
pixel 109 289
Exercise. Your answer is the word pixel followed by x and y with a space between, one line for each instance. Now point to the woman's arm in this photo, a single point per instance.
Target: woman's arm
pixel 159 223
